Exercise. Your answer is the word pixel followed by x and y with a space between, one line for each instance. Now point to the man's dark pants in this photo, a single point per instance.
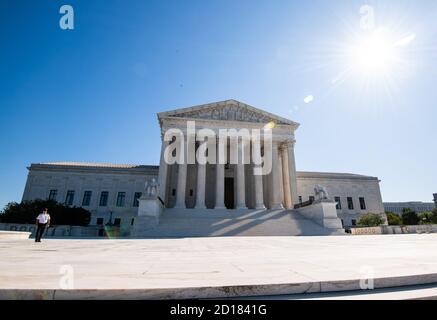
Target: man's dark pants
pixel 40 231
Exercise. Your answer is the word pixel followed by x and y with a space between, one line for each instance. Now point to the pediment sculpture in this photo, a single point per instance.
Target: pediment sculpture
pixel 229 113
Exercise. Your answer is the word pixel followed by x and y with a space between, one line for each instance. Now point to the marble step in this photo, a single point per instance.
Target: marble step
pixel 412 287
pixel 417 292
pixel 206 223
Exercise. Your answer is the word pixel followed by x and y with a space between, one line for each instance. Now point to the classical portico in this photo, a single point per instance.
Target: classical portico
pixel 226 184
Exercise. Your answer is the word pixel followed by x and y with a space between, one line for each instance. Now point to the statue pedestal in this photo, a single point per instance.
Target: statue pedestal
pixel 149 211
pixel 323 212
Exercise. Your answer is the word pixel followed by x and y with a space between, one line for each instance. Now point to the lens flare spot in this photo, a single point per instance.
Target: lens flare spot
pixel 308 99
pixel 270 125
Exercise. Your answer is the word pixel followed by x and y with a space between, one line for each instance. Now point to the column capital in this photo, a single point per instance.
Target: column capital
pixel 290 143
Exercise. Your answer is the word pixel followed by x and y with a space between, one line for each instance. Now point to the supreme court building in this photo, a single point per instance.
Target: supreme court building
pixel 198 195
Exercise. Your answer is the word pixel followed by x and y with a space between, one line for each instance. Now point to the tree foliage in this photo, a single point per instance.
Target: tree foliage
pixel 370 220
pixel 409 217
pixel 434 216
pixel 425 218
pixel 428 217
pixel 393 219
pixel 27 211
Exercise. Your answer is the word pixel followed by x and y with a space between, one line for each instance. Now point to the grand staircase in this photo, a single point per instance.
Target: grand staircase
pixel 176 223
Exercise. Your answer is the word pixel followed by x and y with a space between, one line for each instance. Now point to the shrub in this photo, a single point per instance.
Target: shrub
pixel 370 220
pixel 393 219
pixel 409 217
pixel 27 211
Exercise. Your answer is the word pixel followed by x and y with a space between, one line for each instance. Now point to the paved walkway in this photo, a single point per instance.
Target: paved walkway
pixel 213 262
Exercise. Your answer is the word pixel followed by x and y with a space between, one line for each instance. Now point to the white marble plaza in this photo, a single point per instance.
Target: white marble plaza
pixel 209 267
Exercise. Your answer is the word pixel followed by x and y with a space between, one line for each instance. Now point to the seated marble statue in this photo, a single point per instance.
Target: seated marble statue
pixel 151 188
pixel 321 193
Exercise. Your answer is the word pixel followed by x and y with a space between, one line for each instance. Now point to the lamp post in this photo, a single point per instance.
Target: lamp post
pixel 109 226
pixel 109 223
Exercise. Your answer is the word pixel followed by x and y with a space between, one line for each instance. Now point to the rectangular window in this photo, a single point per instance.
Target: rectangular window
pixel 354 222
pixel 99 221
pixel 86 198
pixel 121 196
pixel 350 203
pixel 137 195
pixel 69 198
pixel 117 222
pixel 300 199
pixel 132 221
pixel 53 194
pixel 104 199
pixel 338 201
pixel 311 198
pixel 362 203
pixel 173 192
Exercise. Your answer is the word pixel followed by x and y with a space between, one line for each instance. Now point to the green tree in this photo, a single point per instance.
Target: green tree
pixel 393 219
pixel 434 216
pixel 409 217
pixel 425 218
pixel 370 220
pixel 27 211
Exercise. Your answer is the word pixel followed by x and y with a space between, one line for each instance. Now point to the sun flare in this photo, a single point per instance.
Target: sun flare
pixel 373 54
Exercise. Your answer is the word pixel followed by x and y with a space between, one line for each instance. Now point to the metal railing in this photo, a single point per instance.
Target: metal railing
pixel 304 204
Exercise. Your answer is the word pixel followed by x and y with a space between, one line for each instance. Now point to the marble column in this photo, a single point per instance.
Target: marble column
pixel 162 175
pixel 259 195
pixel 292 173
pixel 241 187
pixel 286 177
pixel 182 181
pixel 221 159
pixel 281 176
pixel 276 178
pixel 201 184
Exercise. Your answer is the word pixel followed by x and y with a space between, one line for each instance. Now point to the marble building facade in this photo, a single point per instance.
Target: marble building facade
pixel 112 191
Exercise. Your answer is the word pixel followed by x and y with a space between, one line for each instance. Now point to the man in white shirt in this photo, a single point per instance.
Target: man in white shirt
pixel 42 222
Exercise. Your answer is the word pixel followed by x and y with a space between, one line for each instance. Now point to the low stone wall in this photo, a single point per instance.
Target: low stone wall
pixel 14 235
pixel 366 230
pixel 426 228
pixel 55 231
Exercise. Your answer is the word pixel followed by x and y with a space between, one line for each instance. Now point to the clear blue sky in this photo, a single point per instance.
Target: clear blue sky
pixel 92 94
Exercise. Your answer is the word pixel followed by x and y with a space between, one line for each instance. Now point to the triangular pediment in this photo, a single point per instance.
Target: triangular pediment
pixel 229 110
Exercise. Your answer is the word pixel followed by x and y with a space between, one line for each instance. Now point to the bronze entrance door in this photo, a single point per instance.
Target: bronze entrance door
pixel 229 193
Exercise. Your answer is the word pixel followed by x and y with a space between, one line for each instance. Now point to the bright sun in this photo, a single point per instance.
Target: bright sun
pixel 373 54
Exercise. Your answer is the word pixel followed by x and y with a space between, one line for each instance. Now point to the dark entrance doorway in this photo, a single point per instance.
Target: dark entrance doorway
pixel 229 193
